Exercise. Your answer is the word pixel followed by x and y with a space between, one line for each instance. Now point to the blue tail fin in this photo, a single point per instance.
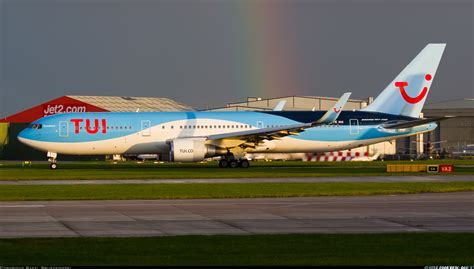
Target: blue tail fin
pixel 406 94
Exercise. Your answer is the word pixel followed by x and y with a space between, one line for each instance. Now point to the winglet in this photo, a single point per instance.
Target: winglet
pixel 333 113
pixel 280 105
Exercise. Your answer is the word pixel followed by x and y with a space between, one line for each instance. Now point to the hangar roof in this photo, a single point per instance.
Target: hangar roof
pixel 463 103
pixel 79 103
pixel 128 103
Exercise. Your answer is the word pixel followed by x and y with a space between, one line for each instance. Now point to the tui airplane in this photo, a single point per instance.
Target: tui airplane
pixel 194 136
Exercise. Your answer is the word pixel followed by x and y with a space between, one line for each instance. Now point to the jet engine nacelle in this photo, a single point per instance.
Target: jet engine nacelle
pixel 192 150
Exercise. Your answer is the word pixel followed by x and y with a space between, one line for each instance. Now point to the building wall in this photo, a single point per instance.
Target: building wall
pixel 457 132
pixel 4 138
pixel 293 103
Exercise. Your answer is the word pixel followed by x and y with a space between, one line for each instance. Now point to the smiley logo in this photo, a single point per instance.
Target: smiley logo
pixel 412 100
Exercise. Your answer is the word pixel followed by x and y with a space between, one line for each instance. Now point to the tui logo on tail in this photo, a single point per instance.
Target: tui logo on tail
pixel 412 100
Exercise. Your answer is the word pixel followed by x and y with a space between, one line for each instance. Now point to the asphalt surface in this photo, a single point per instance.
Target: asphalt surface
pixel 424 178
pixel 447 212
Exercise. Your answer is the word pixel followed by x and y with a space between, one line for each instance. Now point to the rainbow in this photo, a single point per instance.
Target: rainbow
pixel 266 53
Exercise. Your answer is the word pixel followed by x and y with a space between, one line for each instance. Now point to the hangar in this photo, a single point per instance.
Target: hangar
pixel 12 149
pixel 292 103
pixel 457 132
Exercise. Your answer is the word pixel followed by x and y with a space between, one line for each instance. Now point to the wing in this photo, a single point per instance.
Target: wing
pixel 414 123
pixel 252 138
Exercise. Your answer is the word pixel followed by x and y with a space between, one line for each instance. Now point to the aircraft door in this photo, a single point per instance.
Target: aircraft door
pixel 259 124
pixel 63 129
pixel 146 128
pixel 354 126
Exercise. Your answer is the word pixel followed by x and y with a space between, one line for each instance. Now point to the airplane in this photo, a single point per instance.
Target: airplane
pixel 194 136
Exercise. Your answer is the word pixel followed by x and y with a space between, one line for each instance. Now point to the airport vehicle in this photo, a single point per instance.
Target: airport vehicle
pixel 194 136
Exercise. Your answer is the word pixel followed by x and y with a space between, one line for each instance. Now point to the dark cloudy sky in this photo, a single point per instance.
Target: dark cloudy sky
pixel 210 52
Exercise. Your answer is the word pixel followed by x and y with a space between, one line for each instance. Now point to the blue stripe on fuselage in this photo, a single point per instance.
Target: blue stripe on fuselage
pixel 339 132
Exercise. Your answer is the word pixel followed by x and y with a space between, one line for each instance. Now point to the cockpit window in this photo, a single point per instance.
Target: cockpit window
pixel 36 126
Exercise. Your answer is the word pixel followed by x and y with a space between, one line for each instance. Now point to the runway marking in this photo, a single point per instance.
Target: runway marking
pixel 367 214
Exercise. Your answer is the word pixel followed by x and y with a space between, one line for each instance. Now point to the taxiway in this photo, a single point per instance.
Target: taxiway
pixel 447 212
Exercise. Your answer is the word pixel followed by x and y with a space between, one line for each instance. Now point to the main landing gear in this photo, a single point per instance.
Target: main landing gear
pixel 52 159
pixel 229 161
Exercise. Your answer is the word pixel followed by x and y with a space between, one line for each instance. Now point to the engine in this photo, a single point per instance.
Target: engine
pixel 192 150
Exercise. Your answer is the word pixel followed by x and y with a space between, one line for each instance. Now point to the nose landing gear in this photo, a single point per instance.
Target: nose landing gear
pixel 52 159
pixel 53 166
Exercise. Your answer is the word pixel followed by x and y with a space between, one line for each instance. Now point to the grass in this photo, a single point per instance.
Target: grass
pixel 149 170
pixel 310 249
pixel 216 190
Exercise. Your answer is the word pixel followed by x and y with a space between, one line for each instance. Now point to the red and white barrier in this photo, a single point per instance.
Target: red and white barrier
pixel 335 156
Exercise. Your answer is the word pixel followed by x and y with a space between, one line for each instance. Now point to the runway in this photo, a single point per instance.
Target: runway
pixel 421 178
pixel 447 212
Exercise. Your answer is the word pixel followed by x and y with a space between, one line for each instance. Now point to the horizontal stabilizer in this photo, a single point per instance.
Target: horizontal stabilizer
pixel 409 124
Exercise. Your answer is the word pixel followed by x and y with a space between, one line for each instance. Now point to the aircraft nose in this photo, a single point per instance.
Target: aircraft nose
pixel 23 136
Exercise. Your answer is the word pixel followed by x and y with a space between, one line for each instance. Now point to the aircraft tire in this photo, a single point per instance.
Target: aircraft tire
pixel 223 163
pixel 233 164
pixel 244 164
pixel 53 166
